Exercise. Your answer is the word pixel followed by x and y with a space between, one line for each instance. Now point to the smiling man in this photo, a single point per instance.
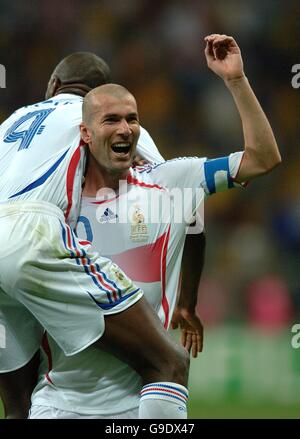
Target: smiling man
pixel 111 149
pixel 148 251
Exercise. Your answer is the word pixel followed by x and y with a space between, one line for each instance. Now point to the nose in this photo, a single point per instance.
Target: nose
pixel 124 128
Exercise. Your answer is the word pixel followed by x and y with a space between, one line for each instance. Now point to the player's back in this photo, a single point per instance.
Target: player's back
pixel 40 154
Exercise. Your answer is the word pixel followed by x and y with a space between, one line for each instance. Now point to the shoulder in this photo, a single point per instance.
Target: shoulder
pixel 141 176
pixel 177 163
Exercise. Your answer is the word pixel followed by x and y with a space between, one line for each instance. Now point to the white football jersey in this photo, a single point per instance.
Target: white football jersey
pixel 41 155
pixel 147 148
pixel 142 228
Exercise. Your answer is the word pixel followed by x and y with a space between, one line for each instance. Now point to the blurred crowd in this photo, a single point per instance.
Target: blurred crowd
pixel 156 49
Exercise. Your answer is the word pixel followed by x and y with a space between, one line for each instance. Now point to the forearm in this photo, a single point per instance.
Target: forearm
pixel 192 267
pixel 261 150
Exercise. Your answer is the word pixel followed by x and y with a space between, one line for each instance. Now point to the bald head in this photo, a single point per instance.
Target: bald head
pixel 110 127
pixel 92 100
pixel 81 71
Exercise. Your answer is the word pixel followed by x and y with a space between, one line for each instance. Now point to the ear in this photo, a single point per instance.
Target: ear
pixel 85 133
pixel 53 85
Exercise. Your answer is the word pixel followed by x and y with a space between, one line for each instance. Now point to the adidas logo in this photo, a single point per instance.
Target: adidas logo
pixel 107 216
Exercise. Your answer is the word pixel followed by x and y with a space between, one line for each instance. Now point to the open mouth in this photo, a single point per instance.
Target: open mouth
pixel 121 148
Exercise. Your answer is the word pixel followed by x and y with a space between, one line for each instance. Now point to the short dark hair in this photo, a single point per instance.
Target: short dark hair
pixel 83 68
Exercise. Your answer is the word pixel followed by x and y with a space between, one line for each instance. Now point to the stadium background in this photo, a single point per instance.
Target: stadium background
pixel 250 293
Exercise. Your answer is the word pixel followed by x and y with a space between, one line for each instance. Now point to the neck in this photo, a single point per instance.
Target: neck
pixel 76 89
pixel 97 177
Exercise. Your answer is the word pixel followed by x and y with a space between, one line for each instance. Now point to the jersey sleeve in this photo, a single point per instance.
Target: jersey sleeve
pixel 219 174
pixel 212 176
pixel 147 148
pixel 195 178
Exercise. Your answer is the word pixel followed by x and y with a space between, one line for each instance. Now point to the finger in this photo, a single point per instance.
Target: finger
pixel 141 162
pixel 183 337
pixel 215 51
pixel 200 335
pixel 209 53
pixel 212 37
pixel 216 39
pixel 198 330
pixel 197 341
pixel 200 342
pixel 195 346
pixel 188 341
pixel 221 51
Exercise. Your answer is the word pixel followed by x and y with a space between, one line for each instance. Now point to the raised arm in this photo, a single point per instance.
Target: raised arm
pixel 261 151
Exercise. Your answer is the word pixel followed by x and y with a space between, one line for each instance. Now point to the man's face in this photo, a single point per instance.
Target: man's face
pixel 112 132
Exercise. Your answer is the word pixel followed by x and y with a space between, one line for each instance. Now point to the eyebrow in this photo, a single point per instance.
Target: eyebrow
pixel 118 115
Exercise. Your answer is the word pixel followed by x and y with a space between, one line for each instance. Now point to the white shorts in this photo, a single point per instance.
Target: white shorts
pixel 66 287
pixel 44 412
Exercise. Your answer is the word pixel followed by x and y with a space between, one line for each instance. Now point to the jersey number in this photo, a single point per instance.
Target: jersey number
pixel 87 226
pixel 26 136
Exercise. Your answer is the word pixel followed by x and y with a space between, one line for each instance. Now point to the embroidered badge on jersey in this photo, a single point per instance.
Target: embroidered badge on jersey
pixel 139 229
pixel 118 275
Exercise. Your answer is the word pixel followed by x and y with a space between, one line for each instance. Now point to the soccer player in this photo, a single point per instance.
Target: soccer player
pixel 71 387
pixel 49 280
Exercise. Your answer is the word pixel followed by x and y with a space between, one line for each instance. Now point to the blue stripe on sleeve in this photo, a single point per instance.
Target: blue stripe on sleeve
pixel 64 233
pixel 210 169
pixel 109 281
pixel 112 305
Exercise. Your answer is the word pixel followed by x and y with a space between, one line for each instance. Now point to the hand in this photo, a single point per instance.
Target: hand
pixel 191 330
pixel 223 57
pixel 138 160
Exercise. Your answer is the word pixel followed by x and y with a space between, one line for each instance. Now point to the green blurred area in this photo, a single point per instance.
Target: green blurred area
pixel 245 373
pixel 241 410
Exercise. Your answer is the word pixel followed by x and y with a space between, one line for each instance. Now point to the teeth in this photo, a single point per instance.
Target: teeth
pixel 122 145
pixel 121 148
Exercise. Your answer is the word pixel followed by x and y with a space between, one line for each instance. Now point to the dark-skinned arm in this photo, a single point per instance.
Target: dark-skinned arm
pixel 16 388
pixel 184 315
